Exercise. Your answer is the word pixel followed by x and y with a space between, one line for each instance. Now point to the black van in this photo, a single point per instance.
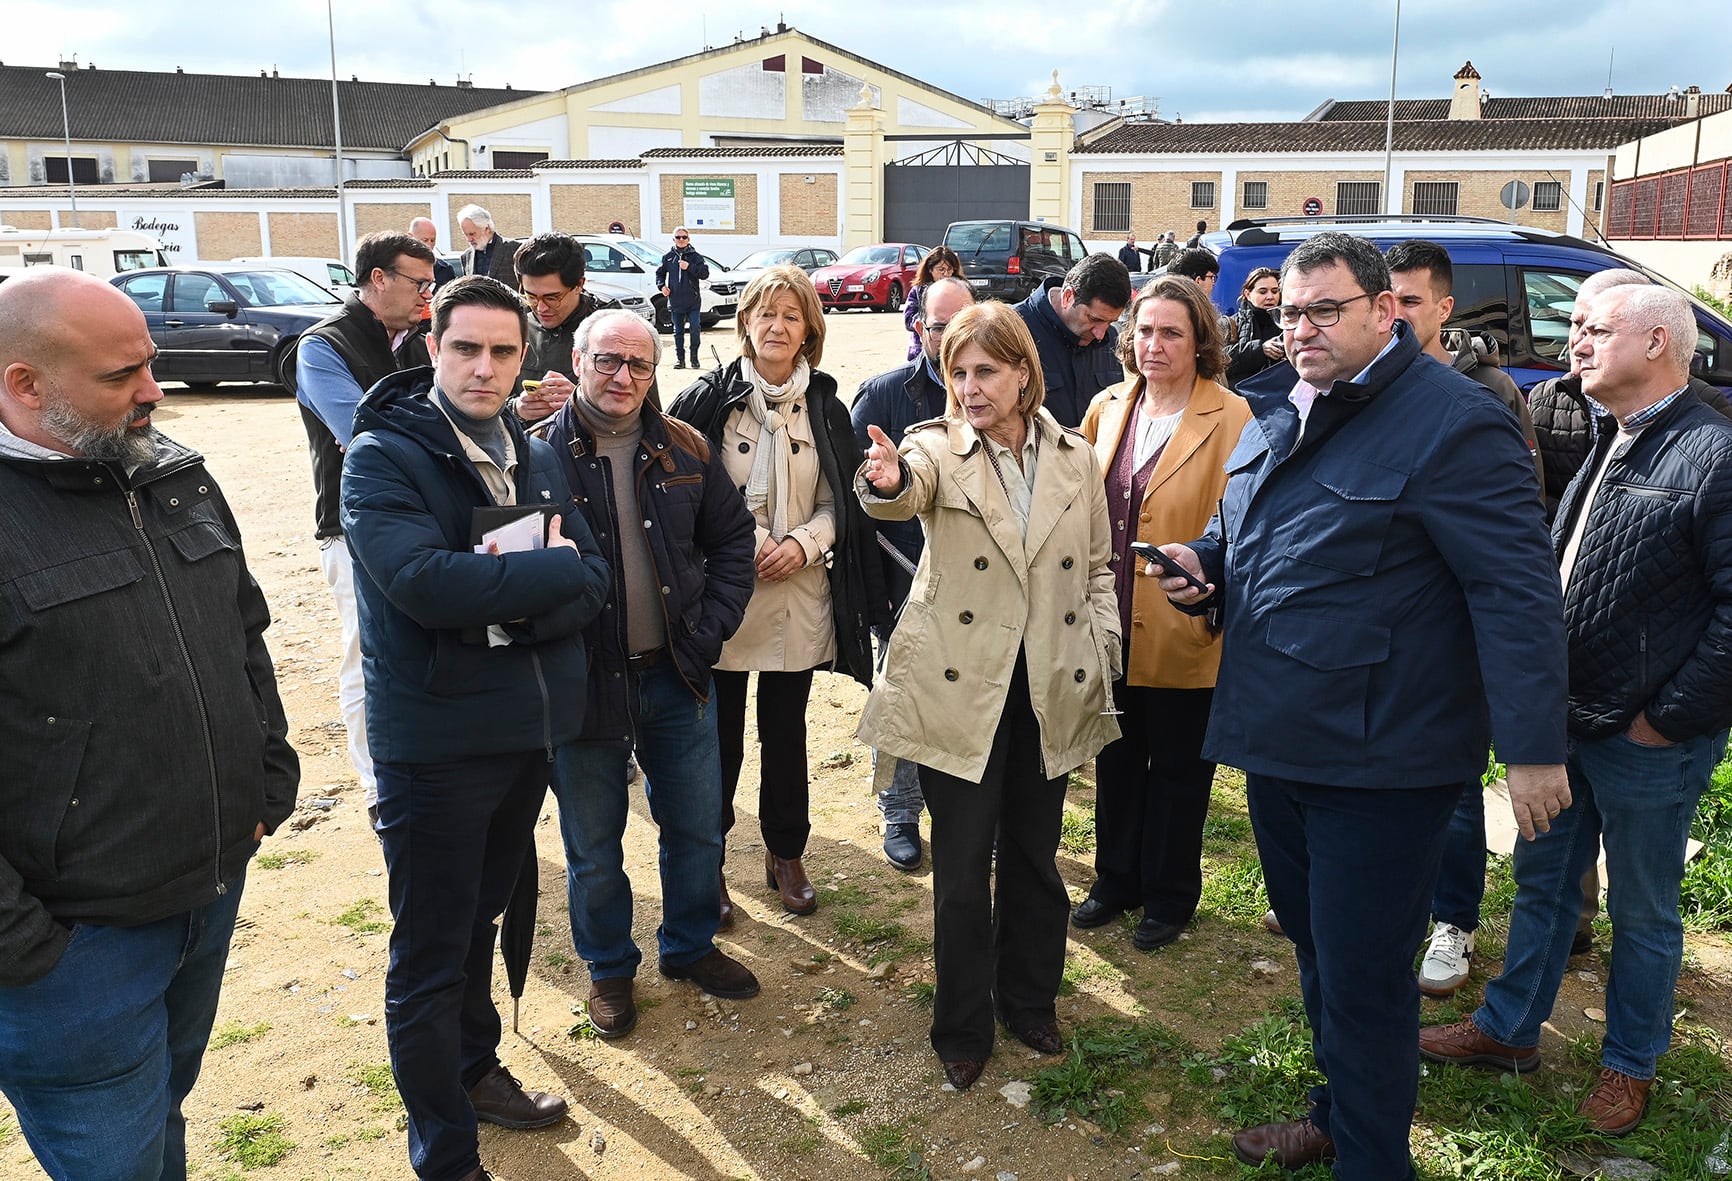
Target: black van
pixel 1008 259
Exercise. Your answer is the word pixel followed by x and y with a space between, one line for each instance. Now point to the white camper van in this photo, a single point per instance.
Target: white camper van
pixel 103 253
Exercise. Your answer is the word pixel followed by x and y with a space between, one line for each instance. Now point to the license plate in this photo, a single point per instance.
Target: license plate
pixel 855 287
pixel 977 282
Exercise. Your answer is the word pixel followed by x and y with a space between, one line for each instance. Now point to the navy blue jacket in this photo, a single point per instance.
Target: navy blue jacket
pixel 701 542
pixel 893 402
pixel 1074 372
pixel 685 288
pixel 1383 579
pixel 436 691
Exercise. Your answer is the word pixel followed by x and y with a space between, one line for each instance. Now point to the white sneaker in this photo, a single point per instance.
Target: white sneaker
pixel 1444 968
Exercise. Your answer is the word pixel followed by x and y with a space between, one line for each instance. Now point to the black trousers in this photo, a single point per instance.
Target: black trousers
pixel 783 788
pixel 1151 799
pixel 998 945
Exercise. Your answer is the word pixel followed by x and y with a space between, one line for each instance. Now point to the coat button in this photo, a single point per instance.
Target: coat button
pixel 793 449
pixel 745 447
pixel 950 674
pixel 980 563
pixel 1070 616
pixel 1080 676
pixel 1067 563
pixel 966 617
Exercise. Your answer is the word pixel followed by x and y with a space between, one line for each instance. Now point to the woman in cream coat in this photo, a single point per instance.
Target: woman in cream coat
pixel 997 677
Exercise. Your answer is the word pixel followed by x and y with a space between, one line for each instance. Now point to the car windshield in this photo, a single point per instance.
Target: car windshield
pixel 974 237
pixel 638 251
pixel 275 289
pixel 871 256
pixel 765 258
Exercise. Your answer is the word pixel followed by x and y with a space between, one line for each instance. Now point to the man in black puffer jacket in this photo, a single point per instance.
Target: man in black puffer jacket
pixel 1644 538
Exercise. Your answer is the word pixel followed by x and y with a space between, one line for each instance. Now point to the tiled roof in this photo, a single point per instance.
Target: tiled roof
pixel 151 107
pixel 104 194
pixel 634 162
pixel 1445 135
pixel 740 153
pixel 402 183
pixel 483 174
pixel 1576 107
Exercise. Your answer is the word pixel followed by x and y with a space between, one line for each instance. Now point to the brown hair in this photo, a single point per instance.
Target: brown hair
pixel 763 289
pixel 1205 324
pixel 1259 273
pixel 923 275
pixel 1001 335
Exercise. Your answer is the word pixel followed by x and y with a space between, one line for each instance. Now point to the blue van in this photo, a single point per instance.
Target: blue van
pixel 1513 284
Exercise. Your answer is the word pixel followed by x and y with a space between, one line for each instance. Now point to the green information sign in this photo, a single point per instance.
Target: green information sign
pixel 705 188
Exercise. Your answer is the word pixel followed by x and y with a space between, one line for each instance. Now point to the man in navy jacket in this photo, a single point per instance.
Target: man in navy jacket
pixel 1384 574
pixel 475 671
pixel 681 277
pixel 1073 322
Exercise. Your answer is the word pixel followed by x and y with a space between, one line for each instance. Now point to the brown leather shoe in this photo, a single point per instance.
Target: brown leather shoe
pixel 612 1011
pixel 717 974
pixel 1294 1144
pixel 1617 1103
pixel 1042 1039
pixel 500 1099
pixel 1462 1044
pixel 725 920
pixel 788 877
pixel 962 1072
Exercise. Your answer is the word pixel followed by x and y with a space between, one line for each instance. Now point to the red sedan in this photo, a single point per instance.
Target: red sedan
pixel 876 276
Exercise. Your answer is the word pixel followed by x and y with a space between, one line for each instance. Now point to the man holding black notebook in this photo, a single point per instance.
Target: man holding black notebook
pixel 475 669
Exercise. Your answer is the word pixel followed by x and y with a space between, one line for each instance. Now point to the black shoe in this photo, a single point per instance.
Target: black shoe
pixel 1092 912
pixel 1153 933
pixel 680 364
pixel 902 846
pixel 1582 943
pixel 500 1099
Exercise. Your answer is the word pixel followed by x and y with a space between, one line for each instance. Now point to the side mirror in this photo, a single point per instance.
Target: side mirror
pixel 226 307
pixel 629 265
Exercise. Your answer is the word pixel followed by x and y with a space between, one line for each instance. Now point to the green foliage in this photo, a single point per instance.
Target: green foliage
pixel 886 1145
pixel 1706 897
pixel 836 999
pixel 375 1078
pixel 234 1034
pixel 1712 301
pixel 253 1141
pixel 1233 887
pixel 359 918
pixel 286 858
pixel 1223 831
pixel 847 1108
pixel 1076 833
pixel 1105 1071
pixel 921 993
pixel 1268 1068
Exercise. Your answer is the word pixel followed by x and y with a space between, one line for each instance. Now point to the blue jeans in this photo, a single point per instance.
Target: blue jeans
pixel 901 802
pixel 1642 800
pixel 455 836
pixel 1350 874
pixel 682 767
pixel 98 1055
pixel 691 320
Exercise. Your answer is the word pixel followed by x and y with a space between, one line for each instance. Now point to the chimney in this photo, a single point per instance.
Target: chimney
pixel 465 83
pixel 1464 100
pixel 1692 102
pixel 70 63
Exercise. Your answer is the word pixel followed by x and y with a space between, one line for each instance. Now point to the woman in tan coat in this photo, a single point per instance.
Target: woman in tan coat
pixel 997 674
pixel 1163 439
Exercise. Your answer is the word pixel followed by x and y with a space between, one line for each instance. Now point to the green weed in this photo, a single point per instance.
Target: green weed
pixel 359 918
pixel 234 1034
pixel 285 859
pixel 1076 833
pixel 1233 887
pixel 1105 1071
pixel 847 1108
pixel 253 1141
pixel 836 999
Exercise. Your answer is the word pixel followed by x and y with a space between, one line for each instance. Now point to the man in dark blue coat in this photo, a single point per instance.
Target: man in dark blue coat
pixel 475 671
pixel 680 542
pixel 681 277
pixel 1383 576
pixel 1073 322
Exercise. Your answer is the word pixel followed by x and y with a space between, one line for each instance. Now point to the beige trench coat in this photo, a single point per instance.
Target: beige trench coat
pixel 983 593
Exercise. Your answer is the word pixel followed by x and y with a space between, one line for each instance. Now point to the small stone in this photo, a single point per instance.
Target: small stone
pixel 1016 1093
pixel 881 971
pixel 975 1165
pixel 1266 967
pixel 373 873
pixel 1593 1014
pixel 691 1025
pixel 597 1141
pixel 363 1019
pixel 801 1068
pixel 1588 977
pixel 806 967
pixel 1154 1129
pixel 1006 1175
pixel 1219 1074
pixel 711 1091
pixel 308 1083
pixel 351 974
pixel 1167 1169
pixel 781 1092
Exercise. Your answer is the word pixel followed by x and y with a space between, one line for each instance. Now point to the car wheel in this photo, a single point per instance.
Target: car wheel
pixel 893 301
pixel 664 321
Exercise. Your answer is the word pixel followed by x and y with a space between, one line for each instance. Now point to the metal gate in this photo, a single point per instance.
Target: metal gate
pixel 956 181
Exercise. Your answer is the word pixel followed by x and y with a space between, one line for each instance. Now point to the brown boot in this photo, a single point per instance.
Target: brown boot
pixel 788 877
pixel 1616 1104
pixel 1462 1044
pixel 725 921
pixel 1294 1144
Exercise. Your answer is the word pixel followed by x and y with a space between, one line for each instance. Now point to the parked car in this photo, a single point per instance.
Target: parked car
pixel 329 273
pixel 876 276
pixel 1008 259
pixel 1515 286
pixel 807 258
pixel 224 321
pixel 631 263
pixel 612 295
pixel 103 253
pixel 726 285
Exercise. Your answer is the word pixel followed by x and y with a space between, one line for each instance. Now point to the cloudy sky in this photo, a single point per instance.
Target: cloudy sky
pixel 1202 59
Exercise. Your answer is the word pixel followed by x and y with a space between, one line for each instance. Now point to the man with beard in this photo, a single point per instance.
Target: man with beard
pixel 138 780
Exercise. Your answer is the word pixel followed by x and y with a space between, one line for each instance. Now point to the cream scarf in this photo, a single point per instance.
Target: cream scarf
pixel 768 486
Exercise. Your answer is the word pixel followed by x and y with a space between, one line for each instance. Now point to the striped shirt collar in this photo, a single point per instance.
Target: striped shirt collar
pixel 1642 417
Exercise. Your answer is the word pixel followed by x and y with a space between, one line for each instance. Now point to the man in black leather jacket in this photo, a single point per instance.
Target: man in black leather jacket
pixel 1644 538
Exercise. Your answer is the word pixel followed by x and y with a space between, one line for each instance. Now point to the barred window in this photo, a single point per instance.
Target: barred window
pixel 1548 196
pixel 1112 207
pixel 1256 194
pixel 1358 198
pixel 1436 198
pixel 1599 195
pixel 1202 194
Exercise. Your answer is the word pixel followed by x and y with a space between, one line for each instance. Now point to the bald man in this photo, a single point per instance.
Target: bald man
pixel 146 750
pixel 426 232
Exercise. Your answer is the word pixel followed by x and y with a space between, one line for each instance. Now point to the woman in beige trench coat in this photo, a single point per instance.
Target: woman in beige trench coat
pixel 997 677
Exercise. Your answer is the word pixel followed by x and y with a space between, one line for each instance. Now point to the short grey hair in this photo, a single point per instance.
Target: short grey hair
pixel 1615 277
pixel 1648 307
pixel 475 214
pixel 949 282
pixel 596 321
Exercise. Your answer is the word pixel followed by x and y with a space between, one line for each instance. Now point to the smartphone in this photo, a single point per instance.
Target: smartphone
pixel 530 386
pixel 1149 553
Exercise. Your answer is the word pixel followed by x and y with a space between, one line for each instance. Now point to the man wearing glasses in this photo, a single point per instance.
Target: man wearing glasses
pixel 550 275
pixel 681 278
pixel 337 361
pixel 680 543
pixel 1391 607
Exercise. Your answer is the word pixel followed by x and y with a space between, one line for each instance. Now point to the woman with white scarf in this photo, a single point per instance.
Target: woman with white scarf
pixel 786 441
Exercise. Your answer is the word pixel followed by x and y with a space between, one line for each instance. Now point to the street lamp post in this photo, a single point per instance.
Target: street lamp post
pixel 66 123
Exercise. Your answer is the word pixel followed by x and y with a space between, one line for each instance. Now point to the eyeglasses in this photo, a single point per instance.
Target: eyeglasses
pixel 1323 313
pixel 546 301
pixel 936 329
pixel 424 286
pixel 608 364
pixel 681 238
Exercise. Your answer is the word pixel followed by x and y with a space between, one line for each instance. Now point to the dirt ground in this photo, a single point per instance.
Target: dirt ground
pixel 784 1087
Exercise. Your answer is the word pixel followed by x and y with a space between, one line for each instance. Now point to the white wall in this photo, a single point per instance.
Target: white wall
pixel 1685 263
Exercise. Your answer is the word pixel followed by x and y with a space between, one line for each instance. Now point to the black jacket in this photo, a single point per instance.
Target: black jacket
pixel 1074 372
pixel 893 402
pixel 436 690
pixel 685 288
pixel 501 263
pixel 356 335
pixel 858 598
pixel 1649 603
pixel 144 740
pixel 1245 356
pixel 700 540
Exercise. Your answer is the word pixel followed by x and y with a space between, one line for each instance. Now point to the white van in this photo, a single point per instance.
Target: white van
pixel 103 253
pixel 329 273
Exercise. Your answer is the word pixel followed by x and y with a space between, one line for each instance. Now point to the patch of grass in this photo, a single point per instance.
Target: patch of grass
pixel 1233 887
pixel 836 999
pixel 1079 782
pixel 346 1022
pixel 1706 897
pixel 866 928
pixel 375 1078
pixel 847 1108
pixel 234 1034
pixel 253 1141
pixel 1105 1071
pixel 359 918
pixel 1222 831
pixel 801 1144
pixel 5 1127
pixel 1079 970
pixel 886 1145
pixel 850 895
pixel 285 859
pixel 337 1141
pixel 921 993
pixel 837 759
pixel 556 959
pixel 1268 1068
pixel 370 1133
pixel 1076 831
